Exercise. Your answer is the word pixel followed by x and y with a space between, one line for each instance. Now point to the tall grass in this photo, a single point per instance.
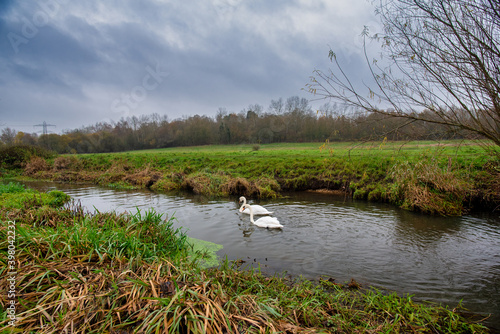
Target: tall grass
pixel 431 188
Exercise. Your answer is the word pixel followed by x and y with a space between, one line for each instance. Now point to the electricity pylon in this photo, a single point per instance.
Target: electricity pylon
pixel 44 126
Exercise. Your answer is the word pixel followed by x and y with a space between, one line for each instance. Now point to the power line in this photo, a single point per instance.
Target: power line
pixel 44 126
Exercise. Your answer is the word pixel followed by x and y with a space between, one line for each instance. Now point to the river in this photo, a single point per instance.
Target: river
pixel 436 259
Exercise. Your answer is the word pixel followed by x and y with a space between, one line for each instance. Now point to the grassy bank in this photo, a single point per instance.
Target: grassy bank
pixel 449 178
pixel 133 273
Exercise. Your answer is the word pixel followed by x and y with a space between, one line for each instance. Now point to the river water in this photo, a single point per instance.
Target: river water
pixel 437 259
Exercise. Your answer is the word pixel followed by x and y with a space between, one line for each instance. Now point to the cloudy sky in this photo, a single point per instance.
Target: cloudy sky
pixel 75 63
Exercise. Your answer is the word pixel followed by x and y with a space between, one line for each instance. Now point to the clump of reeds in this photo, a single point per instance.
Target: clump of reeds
pixel 239 187
pixel 430 188
pixel 144 178
pixel 66 162
pixel 35 165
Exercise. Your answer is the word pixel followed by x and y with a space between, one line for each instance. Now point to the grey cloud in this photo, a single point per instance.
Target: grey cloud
pixel 223 53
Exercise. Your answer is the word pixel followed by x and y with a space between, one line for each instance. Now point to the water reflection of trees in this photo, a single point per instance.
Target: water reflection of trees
pixel 423 229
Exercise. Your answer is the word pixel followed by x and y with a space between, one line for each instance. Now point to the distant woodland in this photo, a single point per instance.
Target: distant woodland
pixel 290 120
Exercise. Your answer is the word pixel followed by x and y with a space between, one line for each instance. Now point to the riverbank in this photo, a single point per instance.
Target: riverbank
pixel 449 178
pixel 127 273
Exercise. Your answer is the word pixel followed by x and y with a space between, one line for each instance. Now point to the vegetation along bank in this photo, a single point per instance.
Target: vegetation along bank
pixel 77 272
pixel 445 178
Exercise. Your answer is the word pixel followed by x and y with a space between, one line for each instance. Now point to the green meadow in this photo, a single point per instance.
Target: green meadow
pixel 443 178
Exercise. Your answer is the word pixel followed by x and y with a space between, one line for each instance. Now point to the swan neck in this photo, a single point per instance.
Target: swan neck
pixel 251 213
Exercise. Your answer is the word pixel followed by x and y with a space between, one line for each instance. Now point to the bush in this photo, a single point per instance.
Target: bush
pixel 18 155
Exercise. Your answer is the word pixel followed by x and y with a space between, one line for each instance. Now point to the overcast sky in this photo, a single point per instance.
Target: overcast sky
pixel 75 63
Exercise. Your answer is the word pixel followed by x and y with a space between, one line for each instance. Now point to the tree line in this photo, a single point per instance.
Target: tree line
pixel 290 120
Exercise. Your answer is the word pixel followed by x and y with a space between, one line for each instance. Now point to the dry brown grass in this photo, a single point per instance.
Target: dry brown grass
pixel 145 178
pixel 71 296
pixel 239 187
pixel 199 184
pixel 75 295
pixel 65 163
pixel 35 165
pixel 425 186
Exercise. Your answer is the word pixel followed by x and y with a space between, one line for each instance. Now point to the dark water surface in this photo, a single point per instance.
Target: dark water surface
pixel 442 260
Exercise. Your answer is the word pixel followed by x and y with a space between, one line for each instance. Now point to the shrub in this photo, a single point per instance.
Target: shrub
pixel 18 155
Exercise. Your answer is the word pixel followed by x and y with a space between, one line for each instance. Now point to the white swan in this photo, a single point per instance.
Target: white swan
pixel 257 209
pixel 267 222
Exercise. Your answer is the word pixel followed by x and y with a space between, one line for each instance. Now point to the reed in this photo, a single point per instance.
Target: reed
pixel 426 186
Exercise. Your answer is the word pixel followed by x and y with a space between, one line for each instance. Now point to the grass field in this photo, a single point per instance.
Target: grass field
pixel 447 178
pixel 243 160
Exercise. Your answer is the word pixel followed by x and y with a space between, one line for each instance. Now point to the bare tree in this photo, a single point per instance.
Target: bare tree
pixel 8 135
pixel 441 64
pixel 277 106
